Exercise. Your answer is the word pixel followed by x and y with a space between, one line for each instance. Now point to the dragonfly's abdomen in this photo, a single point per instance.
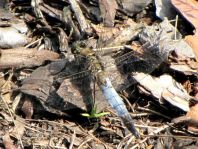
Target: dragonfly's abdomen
pixel 116 102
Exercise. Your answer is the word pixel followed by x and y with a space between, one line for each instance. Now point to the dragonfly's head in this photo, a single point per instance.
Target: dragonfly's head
pixel 81 49
pixel 77 47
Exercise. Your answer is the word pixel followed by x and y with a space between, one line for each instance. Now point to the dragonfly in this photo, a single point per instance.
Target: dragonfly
pixel 112 72
pixel 108 90
pixel 107 70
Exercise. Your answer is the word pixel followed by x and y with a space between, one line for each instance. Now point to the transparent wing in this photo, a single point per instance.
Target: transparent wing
pixel 154 51
pixel 146 58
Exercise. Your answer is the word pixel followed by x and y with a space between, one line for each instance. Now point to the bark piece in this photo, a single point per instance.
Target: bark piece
pixel 84 26
pixel 108 11
pixel 67 19
pixel 117 36
pixel 63 40
pixel 40 85
pixel 132 7
pixel 27 108
pixel 21 57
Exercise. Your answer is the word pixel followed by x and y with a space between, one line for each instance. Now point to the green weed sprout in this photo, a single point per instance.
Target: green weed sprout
pixel 94 114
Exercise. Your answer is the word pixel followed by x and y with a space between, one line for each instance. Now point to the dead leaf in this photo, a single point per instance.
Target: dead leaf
pixel 164 88
pixel 42 87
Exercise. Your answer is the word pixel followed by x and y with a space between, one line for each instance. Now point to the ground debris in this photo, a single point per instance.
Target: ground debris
pixel 59 58
pixel 184 7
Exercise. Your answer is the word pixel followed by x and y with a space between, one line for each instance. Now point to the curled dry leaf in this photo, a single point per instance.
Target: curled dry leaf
pixel 184 68
pixel 21 57
pixel 165 87
pixel 105 33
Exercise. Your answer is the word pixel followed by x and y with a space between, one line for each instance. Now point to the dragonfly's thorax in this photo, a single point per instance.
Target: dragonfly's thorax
pixel 95 65
pixel 86 52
